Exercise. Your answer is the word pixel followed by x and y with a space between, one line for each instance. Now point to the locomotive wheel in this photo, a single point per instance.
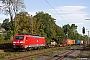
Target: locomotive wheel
pixel 29 49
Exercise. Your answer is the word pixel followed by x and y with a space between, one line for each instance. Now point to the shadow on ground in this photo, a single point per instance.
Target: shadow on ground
pixel 6 47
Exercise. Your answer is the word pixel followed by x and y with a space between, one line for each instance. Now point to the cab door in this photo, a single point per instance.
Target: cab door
pixel 26 41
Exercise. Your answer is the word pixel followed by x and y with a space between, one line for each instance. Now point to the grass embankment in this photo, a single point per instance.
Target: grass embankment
pixel 8 55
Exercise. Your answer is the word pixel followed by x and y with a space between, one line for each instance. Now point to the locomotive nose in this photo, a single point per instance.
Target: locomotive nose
pixel 18 42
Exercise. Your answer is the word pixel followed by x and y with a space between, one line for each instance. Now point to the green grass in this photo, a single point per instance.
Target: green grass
pixel 7 55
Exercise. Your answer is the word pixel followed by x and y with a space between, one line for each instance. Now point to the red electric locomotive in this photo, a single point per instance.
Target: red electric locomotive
pixel 28 41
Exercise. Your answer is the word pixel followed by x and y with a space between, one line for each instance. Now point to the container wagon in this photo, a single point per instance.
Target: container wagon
pixel 70 42
pixel 28 42
pixel 62 45
pixel 77 42
pixel 81 42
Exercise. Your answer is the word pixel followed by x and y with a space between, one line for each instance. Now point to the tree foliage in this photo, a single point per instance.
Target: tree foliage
pixel 72 31
pixel 46 26
pixel 6 24
pixel 11 8
pixel 23 22
pixel 42 24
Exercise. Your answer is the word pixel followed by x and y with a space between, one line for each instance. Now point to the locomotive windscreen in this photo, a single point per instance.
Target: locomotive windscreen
pixel 19 37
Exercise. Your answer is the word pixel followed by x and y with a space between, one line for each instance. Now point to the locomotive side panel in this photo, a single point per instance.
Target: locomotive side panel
pixel 35 42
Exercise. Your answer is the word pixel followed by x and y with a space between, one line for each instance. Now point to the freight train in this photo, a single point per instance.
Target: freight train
pixel 28 42
pixel 67 42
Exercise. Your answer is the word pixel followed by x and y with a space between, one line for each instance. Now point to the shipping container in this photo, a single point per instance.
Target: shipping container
pixel 86 42
pixel 70 42
pixel 81 42
pixel 77 41
pixel 53 43
pixel 73 41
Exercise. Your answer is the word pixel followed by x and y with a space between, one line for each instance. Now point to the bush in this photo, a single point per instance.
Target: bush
pixel 9 35
pixel 2 37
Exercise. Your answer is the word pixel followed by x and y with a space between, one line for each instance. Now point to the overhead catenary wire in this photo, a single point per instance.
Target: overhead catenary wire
pixel 60 10
pixel 54 9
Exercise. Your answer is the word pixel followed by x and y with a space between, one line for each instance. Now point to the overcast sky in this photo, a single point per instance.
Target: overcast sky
pixel 64 11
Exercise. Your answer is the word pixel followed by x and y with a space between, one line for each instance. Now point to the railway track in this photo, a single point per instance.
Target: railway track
pixel 60 56
pixel 31 55
pixel 63 54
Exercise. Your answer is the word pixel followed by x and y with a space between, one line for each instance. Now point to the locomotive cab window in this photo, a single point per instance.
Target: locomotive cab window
pixel 19 37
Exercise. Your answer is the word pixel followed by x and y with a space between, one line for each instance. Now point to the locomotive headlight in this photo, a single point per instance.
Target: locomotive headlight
pixel 13 44
pixel 21 42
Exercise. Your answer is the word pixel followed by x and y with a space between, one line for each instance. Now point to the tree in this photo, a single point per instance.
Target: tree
pixel 23 23
pixel 45 22
pixel 46 26
pixel 0 24
pixel 72 31
pixel 6 24
pixel 59 34
pixel 11 7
